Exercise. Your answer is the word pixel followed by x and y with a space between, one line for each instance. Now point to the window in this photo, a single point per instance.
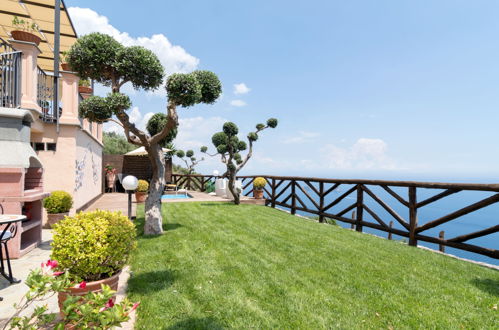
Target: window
pixel 39 146
pixel 51 146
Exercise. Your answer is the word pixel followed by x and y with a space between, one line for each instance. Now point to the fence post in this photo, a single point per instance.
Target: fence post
pixel 321 201
pixel 390 233
pixel 441 247
pixel 413 217
pixel 360 202
pixel 293 198
pixel 352 226
pixel 273 193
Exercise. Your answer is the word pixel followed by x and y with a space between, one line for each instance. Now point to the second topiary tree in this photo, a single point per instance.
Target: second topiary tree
pixel 101 58
pixel 229 148
pixel 189 159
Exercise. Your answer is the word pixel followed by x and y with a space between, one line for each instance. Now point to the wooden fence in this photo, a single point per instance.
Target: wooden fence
pixel 293 192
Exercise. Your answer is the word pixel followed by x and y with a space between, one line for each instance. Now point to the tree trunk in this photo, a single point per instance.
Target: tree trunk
pixel 154 221
pixel 232 188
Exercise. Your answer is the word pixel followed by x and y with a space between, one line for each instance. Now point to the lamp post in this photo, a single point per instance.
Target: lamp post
pixel 130 183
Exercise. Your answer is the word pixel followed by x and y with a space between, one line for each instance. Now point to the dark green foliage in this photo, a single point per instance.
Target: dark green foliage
pixel 237 156
pixel 93 56
pixel 252 136
pixel 180 154
pixel 219 138
pixel 204 149
pixel 222 148
pixel 241 146
pixel 156 125
pixel 117 102
pixel 230 128
pixel 260 126
pixel 139 66
pixel 95 109
pixel 272 123
pixel 189 153
pixel 211 87
pixel 183 89
pixel 115 144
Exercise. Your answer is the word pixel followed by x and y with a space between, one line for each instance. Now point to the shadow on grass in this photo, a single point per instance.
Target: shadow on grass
pixel 171 226
pixel 196 323
pixel 144 283
pixel 487 285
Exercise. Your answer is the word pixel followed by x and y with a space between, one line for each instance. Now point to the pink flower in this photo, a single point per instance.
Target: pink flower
pixel 51 264
pixel 134 307
pixel 81 285
pixel 110 303
pixel 57 273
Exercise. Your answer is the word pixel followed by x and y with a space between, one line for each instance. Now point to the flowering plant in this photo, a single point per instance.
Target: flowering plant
pixel 110 169
pixel 96 310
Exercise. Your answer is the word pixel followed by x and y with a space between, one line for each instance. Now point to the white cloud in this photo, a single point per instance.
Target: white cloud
pixel 241 89
pixel 174 58
pixel 238 103
pixel 302 137
pixel 136 117
pixel 365 154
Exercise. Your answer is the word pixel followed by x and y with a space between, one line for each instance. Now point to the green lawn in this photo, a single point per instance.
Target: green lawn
pixel 226 266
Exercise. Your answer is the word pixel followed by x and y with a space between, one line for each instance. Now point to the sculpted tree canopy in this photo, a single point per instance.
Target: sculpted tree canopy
pixel 189 159
pixel 101 58
pixel 229 147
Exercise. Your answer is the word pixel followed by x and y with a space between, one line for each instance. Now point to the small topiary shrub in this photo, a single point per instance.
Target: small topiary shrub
pixel 259 183
pixel 93 245
pixel 59 201
pixel 143 186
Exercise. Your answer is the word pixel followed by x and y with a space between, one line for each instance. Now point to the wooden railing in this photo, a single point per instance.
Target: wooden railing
pixel 326 198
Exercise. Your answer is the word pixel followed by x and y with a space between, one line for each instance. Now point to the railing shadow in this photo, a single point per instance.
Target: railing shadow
pixel 148 282
pixel 487 285
pixel 196 323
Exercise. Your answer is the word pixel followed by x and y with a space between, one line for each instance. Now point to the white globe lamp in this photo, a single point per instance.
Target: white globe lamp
pixel 130 183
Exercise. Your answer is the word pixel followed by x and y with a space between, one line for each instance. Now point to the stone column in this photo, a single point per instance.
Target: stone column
pixel 69 99
pixel 29 76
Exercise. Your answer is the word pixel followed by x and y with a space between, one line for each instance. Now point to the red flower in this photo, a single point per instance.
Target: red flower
pixel 110 303
pixel 134 307
pixel 81 285
pixel 57 273
pixel 51 264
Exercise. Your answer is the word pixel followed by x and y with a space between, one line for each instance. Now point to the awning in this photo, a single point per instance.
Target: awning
pixel 41 12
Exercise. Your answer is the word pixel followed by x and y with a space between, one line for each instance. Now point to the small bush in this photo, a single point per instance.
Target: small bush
pixel 143 186
pixel 93 245
pixel 259 183
pixel 59 201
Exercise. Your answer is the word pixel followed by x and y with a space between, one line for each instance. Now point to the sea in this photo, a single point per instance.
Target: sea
pixel 472 222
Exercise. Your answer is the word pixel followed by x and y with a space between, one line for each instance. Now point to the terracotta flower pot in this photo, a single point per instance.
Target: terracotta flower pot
pixel 95 286
pixel 65 66
pixel 25 36
pixel 140 196
pixel 85 90
pixel 258 193
pixel 54 218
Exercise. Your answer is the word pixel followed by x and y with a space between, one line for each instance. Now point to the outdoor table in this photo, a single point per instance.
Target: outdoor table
pixel 11 222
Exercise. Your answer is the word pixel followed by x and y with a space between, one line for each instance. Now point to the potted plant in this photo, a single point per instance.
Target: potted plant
pixel 110 176
pixel 84 86
pixel 24 31
pixel 64 61
pixel 93 247
pixel 141 192
pixel 57 205
pixel 258 185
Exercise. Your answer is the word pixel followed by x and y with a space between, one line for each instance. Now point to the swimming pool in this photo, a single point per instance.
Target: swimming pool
pixel 176 196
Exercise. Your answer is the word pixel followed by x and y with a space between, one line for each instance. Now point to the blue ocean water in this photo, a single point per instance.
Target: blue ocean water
pixel 472 222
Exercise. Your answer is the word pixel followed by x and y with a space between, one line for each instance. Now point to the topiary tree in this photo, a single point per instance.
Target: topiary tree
pixel 101 58
pixel 229 148
pixel 189 160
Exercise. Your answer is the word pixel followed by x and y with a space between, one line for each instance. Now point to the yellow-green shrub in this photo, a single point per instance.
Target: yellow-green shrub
pixel 259 183
pixel 93 245
pixel 143 186
pixel 59 201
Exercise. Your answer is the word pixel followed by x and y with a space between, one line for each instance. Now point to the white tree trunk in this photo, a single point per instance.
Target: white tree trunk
pixel 154 221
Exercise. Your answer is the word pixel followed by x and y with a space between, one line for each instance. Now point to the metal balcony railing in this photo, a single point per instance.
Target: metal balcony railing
pixel 45 96
pixel 10 79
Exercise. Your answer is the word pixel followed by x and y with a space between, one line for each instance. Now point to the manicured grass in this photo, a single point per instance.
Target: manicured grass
pixel 226 266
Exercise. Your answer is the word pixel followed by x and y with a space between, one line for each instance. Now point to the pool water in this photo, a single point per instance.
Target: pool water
pixel 173 196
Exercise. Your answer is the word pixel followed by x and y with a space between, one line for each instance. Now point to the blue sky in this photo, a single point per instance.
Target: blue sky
pixel 364 89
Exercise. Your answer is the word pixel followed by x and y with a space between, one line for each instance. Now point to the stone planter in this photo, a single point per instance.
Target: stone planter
pixel 95 286
pixel 258 193
pixel 25 36
pixel 54 218
pixel 65 66
pixel 140 197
